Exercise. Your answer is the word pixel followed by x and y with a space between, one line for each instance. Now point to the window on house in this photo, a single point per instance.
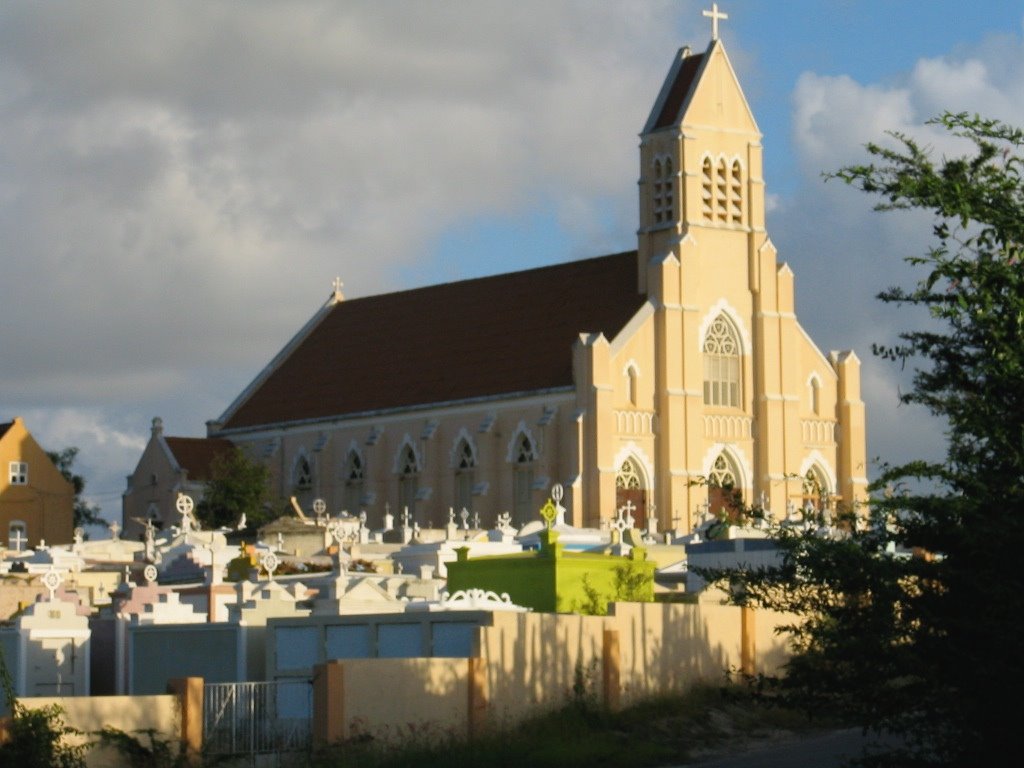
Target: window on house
pixel 522 479
pixel 465 475
pixel 354 483
pixel 19 473
pixel 722 365
pixel 17 536
pixel 408 480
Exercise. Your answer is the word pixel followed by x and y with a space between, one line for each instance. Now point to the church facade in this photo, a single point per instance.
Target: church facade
pixel 670 379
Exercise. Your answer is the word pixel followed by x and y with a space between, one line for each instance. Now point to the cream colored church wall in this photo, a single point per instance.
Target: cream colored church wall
pixel 433 435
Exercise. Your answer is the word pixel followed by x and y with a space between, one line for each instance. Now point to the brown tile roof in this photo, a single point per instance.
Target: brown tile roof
pixel 457 341
pixel 197 453
pixel 680 89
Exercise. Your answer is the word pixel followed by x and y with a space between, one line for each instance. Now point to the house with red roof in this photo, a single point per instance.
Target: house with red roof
pixel 168 466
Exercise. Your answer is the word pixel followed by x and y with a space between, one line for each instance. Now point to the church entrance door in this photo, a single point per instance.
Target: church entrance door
pixel 629 490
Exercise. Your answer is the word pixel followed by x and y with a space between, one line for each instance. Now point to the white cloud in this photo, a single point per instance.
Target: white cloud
pixel 842 252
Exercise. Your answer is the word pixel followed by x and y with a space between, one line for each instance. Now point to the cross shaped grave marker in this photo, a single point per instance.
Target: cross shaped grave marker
pixel 464 514
pixel 115 530
pixel 185 505
pixel 269 563
pixel 319 508
pixel 149 573
pixel 52 580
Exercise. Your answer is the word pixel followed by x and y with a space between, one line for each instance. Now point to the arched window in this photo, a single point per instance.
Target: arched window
pixel 707 190
pixel 631 385
pixel 302 474
pixel 815 488
pixel 17 536
pixel 408 480
pixel 465 475
pixel 630 493
pixel 668 189
pixel 721 190
pixel 814 395
pixel 522 479
pixel 354 474
pixel 736 194
pixel 658 199
pixel 722 364
pixel 724 496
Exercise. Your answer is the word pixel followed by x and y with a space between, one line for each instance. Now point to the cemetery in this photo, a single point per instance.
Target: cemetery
pixel 462 626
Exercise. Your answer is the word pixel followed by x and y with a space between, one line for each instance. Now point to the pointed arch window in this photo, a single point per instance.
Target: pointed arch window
pixel 302 474
pixel 722 364
pixel 736 193
pixel 631 385
pixel 465 474
pixel 707 189
pixel 355 473
pixel 522 478
pixel 814 395
pixel 815 489
pixel 663 197
pixel 408 480
pixel 724 496
pixel 721 190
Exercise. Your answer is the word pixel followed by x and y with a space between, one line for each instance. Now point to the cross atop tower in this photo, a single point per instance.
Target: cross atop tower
pixel 715 15
pixel 337 285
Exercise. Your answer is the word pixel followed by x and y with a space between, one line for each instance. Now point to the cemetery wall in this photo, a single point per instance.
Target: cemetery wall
pixel 130 714
pixel 426 698
pixel 535 661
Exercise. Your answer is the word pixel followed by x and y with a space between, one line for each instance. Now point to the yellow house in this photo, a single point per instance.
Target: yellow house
pixel 661 378
pixel 36 502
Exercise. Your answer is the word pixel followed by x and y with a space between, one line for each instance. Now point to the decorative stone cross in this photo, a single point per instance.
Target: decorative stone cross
pixel 476 521
pixel 405 518
pixel 337 285
pixel 505 522
pixel 319 507
pixel 715 15
pixel 52 580
pixel 185 505
pixel 451 516
pixel 149 573
pixel 626 513
pixel 362 520
pixel 464 514
pixel 115 530
pixel 269 563
pixel 79 536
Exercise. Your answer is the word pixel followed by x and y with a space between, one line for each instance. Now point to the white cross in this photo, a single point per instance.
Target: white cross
pixel 115 529
pixel 337 285
pixel 715 16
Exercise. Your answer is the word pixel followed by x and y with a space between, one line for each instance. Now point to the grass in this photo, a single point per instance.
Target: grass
pixel 657 732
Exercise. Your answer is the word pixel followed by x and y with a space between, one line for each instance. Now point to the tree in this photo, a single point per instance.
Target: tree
pixel 910 621
pixel 237 486
pixel 85 513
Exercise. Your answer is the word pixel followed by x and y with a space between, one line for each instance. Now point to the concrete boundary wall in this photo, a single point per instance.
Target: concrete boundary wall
pixel 529 663
pixel 131 714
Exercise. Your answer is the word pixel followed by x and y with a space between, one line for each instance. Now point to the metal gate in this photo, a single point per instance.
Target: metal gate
pixel 257 718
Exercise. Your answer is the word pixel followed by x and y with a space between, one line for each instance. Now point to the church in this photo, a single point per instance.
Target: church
pixel 671 380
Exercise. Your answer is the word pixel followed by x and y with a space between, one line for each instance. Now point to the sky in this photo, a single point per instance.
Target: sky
pixel 180 183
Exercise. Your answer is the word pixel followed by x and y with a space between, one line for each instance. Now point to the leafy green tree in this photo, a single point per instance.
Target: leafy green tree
pixel 85 513
pixel 237 486
pixel 910 621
